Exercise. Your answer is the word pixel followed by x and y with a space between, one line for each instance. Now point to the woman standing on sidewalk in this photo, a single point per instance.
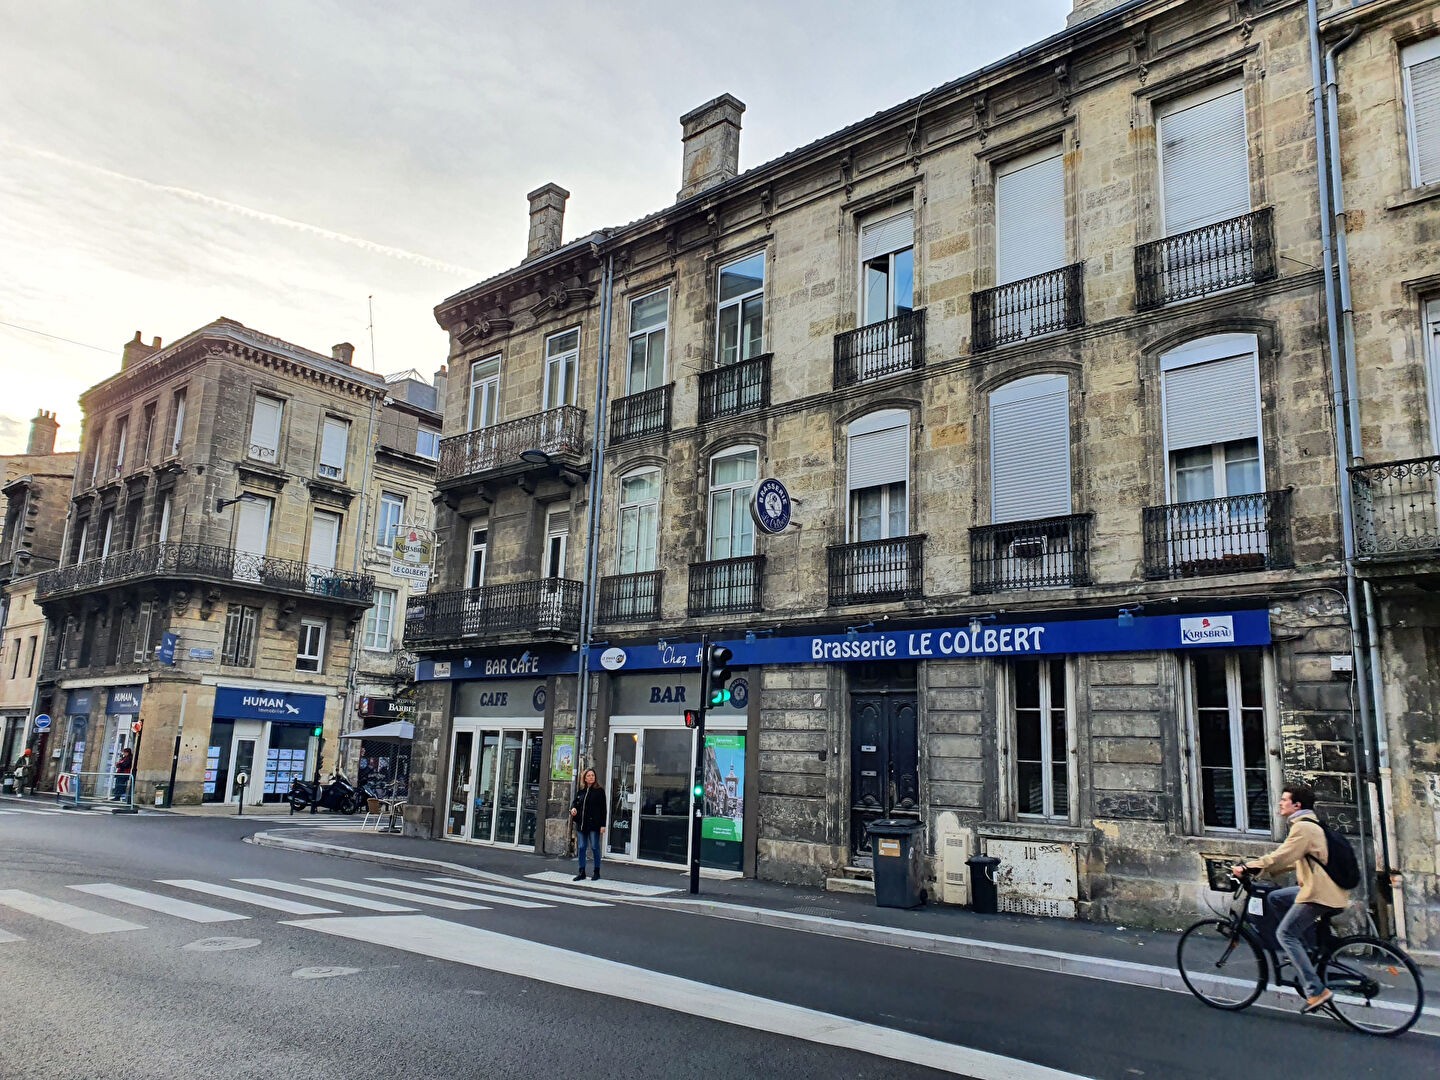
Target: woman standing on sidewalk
pixel 588 814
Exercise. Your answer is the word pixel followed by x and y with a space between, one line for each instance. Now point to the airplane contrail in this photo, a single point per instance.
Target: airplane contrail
pixel 252 213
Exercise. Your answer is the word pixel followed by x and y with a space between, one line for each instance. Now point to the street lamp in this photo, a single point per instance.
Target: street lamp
pixel 244 496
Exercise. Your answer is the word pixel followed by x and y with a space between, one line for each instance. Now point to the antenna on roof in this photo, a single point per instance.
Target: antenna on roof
pixel 370 303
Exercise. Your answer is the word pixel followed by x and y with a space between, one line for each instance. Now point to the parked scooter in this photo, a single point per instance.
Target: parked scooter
pixel 337 794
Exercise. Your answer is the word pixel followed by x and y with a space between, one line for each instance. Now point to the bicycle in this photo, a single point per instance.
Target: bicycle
pixel 1377 987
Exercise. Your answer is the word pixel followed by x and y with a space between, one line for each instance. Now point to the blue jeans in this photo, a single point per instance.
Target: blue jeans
pixel 1297 928
pixel 121 789
pixel 591 840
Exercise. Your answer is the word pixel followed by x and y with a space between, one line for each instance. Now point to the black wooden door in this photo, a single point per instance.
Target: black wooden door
pixel 884 762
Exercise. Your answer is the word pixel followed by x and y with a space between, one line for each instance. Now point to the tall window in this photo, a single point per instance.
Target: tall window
pixel 324 539
pixel 877 476
pixel 107 533
pixel 1204 158
pixel 144 623
pixel 648 320
pixel 732 478
pixel 379 620
pixel 887 268
pixel 639 521
pixel 334 440
pixel 148 421
pixel 1422 109
pixel 238 648
pixel 97 453
pixel 1030 216
pixel 1040 718
pixel 265 429
pixel 1030 449
pixel 741 313
pixel 82 539
pixel 122 435
pixel 177 420
pixel 562 362
pixel 479 545
pixel 1432 363
pixel 30 647
pixel 14 658
pixel 1230 730
pixel 557 539
pixel 310 649
pixel 1211 391
pixel 427 443
pixel 388 520
pixel 163 533
pixel 485 393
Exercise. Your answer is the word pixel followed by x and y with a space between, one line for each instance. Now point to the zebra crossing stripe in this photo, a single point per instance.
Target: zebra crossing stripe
pixel 166 905
pixel 396 894
pixel 26 810
pixel 503 901
pixel 505 890
pixel 57 911
pixel 324 894
pixel 293 907
pixel 626 888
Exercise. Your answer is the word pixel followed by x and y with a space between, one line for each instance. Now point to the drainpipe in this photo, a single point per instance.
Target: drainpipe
pixel 590 592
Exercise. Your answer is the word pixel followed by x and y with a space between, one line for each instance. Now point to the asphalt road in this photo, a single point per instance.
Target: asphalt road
pixel 601 987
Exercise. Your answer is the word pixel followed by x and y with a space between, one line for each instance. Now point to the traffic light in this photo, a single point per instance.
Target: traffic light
pixel 319 731
pixel 692 717
pixel 699 791
pixel 719 675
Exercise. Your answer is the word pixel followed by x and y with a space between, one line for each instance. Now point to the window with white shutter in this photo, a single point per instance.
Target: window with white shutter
pixel 1421 62
pixel 878 474
pixel 1432 369
pixel 557 538
pixel 265 429
pixel 1204 158
pixel 1030 216
pixel 1211 393
pixel 887 267
pixel 334 439
pixel 1030 449
pixel 324 539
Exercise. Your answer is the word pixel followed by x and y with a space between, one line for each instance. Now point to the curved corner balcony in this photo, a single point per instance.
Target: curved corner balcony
pixel 208 562
pixel 491 452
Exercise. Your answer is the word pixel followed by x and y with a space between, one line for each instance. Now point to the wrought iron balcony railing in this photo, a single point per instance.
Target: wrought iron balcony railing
pixel 1218 536
pixel 645 413
pixel 630 597
pixel 726 586
pixel 560 432
pixel 1042 304
pixel 892 569
pixel 735 388
pixel 548 607
pixel 1235 252
pixel 1047 553
pixel 880 349
pixel 1397 508
pixel 206 562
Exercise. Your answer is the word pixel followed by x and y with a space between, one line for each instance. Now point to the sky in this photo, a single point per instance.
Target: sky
pixel 298 164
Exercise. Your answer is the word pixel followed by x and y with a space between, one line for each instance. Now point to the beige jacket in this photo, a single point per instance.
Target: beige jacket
pixel 1305 838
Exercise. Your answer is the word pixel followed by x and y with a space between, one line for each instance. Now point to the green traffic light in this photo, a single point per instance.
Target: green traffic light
pixel 699 791
pixel 318 731
pixel 720 697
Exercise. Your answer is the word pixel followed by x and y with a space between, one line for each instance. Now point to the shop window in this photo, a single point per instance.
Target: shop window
pixel 310 650
pixel 1040 733
pixel 1230 736
pixel 241 625
pixel 380 620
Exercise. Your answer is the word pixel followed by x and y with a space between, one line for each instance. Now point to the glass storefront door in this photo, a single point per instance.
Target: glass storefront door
pixel 624 750
pixel 495 785
pixel 458 803
pixel 650 772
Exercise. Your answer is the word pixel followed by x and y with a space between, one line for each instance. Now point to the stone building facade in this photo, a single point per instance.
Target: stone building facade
pixel 210 584
pixel 1039 363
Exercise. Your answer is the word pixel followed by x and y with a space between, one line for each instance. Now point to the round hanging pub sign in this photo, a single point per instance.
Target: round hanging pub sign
pixel 771 506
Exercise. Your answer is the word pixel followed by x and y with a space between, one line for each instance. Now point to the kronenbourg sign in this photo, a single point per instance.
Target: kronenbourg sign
pixel 410 558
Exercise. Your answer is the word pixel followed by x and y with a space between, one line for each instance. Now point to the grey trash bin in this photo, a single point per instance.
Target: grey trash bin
pixel 896 846
pixel 983 896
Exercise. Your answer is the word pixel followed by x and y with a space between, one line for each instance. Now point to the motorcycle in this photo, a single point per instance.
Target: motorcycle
pixel 337 794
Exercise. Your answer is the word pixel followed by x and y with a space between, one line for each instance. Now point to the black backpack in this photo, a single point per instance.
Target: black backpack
pixel 1342 866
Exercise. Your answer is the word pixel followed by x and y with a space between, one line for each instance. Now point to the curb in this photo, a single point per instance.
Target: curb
pixel 1125 972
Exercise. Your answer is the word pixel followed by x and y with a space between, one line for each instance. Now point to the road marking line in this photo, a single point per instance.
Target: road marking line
pixel 323 894
pixel 5 936
pixel 46 813
pixel 553 898
pixel 291 907
pixel 396 894
pixel 464 894
pixel 628 888
pixel 57 911
pixel 428 936
pixel 166 905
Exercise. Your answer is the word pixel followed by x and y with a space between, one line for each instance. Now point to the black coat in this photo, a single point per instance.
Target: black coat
pixel 590 809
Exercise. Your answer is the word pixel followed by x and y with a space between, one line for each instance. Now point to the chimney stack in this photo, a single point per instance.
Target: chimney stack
pixel 441 378
pixel 1083 10
pixel 42 433
pixel 344 353
pixel 711 135
pixel 547 214
pixel 136 350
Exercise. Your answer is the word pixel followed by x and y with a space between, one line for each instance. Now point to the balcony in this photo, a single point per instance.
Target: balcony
pixel 548 608
pixel 496 449
pixel 645 413
pixel 880 349
pixel 1205 260
pixel 1397 510
pixel 874 570
pixel 206 562
pixel 1043 304
pixel 726 586
pixel 1046 553
pixel 630 597
pixel 1218 536
pixel 735 388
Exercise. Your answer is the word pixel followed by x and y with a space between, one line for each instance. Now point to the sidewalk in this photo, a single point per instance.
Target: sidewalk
pixel 1112 953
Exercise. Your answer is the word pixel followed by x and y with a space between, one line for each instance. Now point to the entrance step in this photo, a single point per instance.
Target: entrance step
pixel 858 872
pixel 849 885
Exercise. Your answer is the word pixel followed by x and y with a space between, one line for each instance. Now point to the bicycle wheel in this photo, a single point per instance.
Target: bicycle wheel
pixel 1221 965
pixel 1377 987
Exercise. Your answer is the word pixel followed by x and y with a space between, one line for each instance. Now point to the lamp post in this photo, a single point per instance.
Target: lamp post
pixel 244 496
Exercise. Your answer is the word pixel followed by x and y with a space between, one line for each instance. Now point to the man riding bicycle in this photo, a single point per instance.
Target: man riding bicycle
pixel 1314 898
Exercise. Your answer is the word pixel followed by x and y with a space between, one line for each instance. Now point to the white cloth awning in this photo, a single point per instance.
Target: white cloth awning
pixel 395 731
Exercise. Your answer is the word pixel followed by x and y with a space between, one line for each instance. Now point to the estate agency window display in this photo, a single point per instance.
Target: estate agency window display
pixel 496 755
pixel 267 734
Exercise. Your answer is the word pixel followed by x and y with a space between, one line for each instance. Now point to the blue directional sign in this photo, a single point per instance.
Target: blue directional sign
pixel 42 722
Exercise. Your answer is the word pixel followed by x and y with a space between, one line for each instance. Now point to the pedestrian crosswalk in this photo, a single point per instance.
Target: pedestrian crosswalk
pixel 238 899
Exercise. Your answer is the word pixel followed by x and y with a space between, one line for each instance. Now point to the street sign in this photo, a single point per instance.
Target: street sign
pixel 42 722
pixel 202 654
